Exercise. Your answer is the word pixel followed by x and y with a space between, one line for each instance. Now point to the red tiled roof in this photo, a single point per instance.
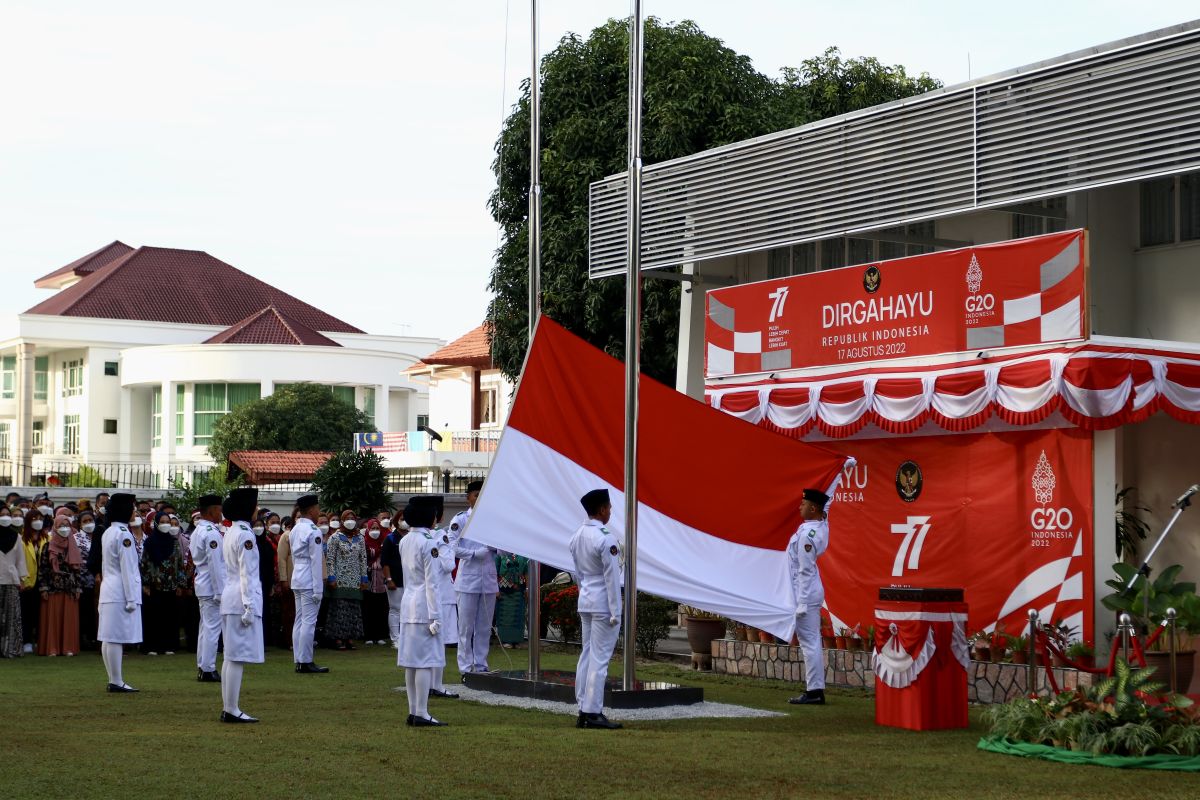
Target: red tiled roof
pixel 271 326
pixel 272 466
pixel 469 350
pixel 84 266
pixel 161 284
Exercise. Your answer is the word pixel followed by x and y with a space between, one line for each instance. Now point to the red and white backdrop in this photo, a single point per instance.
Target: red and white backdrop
pixel 1023 292
pixel 1005 516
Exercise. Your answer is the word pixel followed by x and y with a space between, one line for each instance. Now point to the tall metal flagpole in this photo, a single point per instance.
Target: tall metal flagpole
pixel 535 301
pixel 633 338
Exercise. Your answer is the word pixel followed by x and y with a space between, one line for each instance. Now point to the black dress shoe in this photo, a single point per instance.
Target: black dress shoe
pixel 124 688
pixel 231 718
pixel 409 721
pixel 423 722
pixel 209 677
pixel 580 720
pixel 600 721
pixel 814 698
pixel 311 669
pixel 441 693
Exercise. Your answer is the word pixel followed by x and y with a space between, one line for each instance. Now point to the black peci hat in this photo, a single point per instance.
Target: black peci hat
pixel 208 501
pixel 239 506
pixel 817 497
pixel 307 501
pixel 474 486
pixel 120 507
pixel 594 500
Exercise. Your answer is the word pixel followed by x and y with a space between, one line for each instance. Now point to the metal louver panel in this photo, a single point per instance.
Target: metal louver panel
pixel 1119 113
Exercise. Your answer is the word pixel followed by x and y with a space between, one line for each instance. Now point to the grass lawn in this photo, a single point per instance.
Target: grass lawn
pixel 343 735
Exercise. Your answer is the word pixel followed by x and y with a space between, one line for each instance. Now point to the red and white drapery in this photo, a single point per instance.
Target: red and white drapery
pixel 1094 385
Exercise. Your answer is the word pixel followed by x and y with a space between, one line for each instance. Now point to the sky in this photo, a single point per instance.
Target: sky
pixel 342 151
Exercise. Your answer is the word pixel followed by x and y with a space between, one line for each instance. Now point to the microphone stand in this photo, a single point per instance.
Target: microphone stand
pixel 1143 571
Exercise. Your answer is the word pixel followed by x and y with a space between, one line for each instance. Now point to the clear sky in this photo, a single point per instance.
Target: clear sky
pixel 342 151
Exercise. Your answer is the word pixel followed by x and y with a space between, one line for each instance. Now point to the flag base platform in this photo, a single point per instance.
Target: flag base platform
pixel 560 687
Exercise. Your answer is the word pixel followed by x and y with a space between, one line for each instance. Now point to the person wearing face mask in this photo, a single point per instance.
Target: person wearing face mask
pixel 348 577
pixel 393 575
pixel 189 606
pixel 323 521
pixel 283 580
pixel 266 576
pixel 163 579
pixel 85 529
pixel 241 602
pixel 208 578
pixel 306 546
pixel 12 571
pixel 34 537
pixel 58 583
pixel 375 605
pixel 120 591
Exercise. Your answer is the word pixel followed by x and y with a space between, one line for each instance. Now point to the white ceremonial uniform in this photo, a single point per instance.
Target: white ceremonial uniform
pixel 597 557
pixel 308 557
pixel 477 586
pixel 421 604
pixel 242 592
pixel 446 594
pixel 121 584
pixel 804 548
pixel 209 561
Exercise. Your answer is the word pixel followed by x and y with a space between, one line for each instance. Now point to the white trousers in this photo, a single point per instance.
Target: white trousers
pixel 305 626
pixel 209 633
pixel 599 641
pixel 394 598
pixel 808 633
pixel 475 612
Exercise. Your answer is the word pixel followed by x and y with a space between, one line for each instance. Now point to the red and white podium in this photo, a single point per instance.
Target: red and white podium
pixel 921 659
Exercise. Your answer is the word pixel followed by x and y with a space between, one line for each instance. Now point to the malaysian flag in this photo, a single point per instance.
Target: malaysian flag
pixel 382 442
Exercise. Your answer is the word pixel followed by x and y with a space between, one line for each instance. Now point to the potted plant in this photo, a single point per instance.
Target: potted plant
pixel 981 643
pixel 869 639
pixel 998 642
pixel 1060 636
pixel 703 627
pixel 1082 653
pixel 1147 604
pixel 1019 649
pixel 828 640
pixel 842 640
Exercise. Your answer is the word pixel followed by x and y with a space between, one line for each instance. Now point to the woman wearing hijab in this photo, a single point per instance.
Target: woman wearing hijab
pixel 347 561
pixel 60 568
pixel 163 578
pixel 85 535
pixel 33 540
pixel 375 604
pixel 266 576
pixel 12 571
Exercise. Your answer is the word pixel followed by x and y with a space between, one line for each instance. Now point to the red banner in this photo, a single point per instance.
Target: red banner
pixel 1005 516
pixel 1027 291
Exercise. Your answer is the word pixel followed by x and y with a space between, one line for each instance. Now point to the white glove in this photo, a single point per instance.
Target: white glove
pixel 435 627
pixel 613 622
pixel 247 616
pixel 131 606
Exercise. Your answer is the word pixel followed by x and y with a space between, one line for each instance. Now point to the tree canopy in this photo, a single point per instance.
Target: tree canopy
pixel 298 416
pixel 698 94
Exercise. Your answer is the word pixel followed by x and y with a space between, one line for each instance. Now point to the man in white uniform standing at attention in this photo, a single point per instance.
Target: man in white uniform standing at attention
pixel 807 544
pixel 597 558
pixel 308 556
pixel 209 561
pixel 241 602
pixel 120 591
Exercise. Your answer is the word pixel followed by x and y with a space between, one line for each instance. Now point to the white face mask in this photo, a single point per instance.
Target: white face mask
pixel 350 524
pixel 385 522
pixel 5 521
pixel 45 511
pixel 64 531
pixel 273 528
pixel 333 523
pixel 324 528
pixel 164 527
pixel 36 524
pixel 174 530
pixel 403 525
pixel 258 529
pixel 89 527
pixel 374 533
pixel 102 510
pixel 137 521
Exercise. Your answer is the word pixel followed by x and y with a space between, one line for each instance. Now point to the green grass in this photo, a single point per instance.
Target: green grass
pixel 343 735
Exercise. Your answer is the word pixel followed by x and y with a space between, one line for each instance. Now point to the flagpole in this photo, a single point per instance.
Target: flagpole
pixel 535 301
pixel 633 339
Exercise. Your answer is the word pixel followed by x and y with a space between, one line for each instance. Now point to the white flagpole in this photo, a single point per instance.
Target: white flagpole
pixel 633 339
pixel 535 302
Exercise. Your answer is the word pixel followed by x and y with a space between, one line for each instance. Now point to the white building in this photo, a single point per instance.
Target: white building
pixel 141 350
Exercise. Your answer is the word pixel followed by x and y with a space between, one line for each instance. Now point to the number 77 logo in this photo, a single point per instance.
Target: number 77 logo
pixel 915 530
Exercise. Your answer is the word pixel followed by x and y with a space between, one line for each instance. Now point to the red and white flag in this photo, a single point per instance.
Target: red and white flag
pixel 718 498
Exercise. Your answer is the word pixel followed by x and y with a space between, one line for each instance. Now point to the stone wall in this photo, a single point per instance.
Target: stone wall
pixel 986 682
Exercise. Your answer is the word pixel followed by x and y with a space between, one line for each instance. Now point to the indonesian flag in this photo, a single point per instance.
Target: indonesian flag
pixel 718 498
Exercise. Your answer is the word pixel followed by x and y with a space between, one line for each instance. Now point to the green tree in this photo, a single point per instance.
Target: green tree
pixel 356 480
pixel 183 494
pixel 299 416
pixel 87 476
pixel 699 94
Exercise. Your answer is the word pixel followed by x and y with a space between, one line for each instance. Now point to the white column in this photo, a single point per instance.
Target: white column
pixel 383 407
pixel 1106 474
pixel 168 432
pixel 266 388
pixel 23 429
pixel 689 363
pixel 125 425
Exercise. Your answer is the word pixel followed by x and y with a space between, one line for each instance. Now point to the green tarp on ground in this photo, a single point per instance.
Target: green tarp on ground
pixel 1025 750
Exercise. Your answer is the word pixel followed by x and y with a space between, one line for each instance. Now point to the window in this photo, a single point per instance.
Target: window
pixel 4 440
pixel 110 368
pixel 422 421
pixel 1156 212
pixel 72 378
pixel 487 406
pixel 39 436
pixel 156 417
pixel 833 253
pixel 71 435
pixel 8 378
pixel 110 426
pixel 41 377
pixel 1189 206
pixel 1037 224
pixel 795 260
pixel 179 413
pixel 343 393
pixel 215 400
pixel 369 404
